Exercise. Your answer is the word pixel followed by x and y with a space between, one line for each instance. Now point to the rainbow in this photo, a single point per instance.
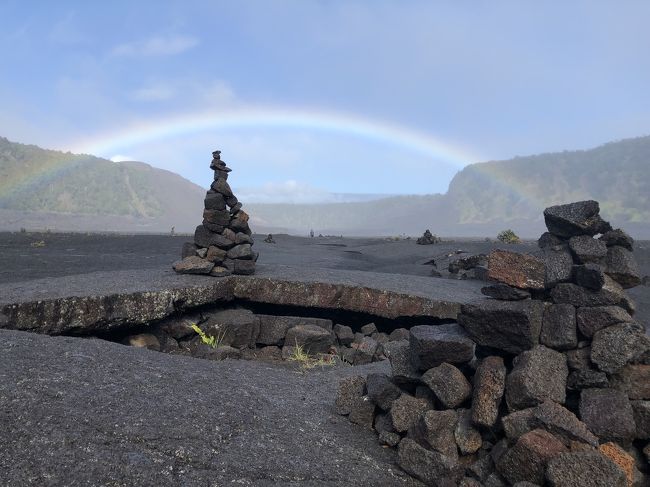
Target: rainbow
pixel 108 144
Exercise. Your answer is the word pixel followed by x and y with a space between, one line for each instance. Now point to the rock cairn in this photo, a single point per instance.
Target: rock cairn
pixel 428 238
pixel 544 382
pixel 223 243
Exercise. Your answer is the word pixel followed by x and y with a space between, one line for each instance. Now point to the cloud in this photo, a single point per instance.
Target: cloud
pixel 155 46
pixel 121 158
pixel 290 191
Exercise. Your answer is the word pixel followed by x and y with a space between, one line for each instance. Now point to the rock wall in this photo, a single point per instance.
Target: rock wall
pixel 546 381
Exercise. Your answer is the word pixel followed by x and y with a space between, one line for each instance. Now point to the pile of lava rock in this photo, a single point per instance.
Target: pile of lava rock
pixel 546 382
pixel 223 243
pixel 428 238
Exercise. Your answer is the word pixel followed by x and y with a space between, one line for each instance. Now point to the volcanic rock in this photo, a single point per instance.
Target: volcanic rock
pixel 527 459
pixel 399 354
pixel 622 267
pixel 434 345
pixel 590 320
pixel 615 346
pixel 573 219
pixel 435 431
pixel 586 379
pixel 344 334
pixel 618 237
pixel 381 390
pixel 467 263
pixel 584 469
pixel 547 240
pixel 504 292
pixel 489 384
pixel 432 468
pixel 238 328
pixel 143 340
pixel 537 375
pixel 590 276
pixel 214 201
pixel 205 238
pixel 515 269
pixel 558 263
pixel 188 250
pixel 608 414
pixel 193 265
pixel 634 380
pixel 611 293
pixel 468 439
pixel 448 384
pixel 312 338
pixel 511 326
pixel 406 410
pixel 587 249
pixel 559 327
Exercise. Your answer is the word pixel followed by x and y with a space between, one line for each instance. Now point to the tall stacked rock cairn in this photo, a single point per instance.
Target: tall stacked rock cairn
pixel 223 243
pixel 544 382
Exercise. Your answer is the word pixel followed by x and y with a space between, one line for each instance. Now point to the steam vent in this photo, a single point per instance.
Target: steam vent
pixel 222 244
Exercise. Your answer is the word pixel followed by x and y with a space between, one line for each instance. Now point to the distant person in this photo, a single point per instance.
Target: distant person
pixel 311 233
pixel 173 232
pixel 269 239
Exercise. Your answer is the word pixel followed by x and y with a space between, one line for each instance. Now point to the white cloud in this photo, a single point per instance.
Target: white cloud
pixel 121 158
pixel 156 46
pixel 284 192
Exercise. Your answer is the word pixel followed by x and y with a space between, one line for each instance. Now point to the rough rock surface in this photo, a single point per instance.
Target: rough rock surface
pixel 608 414
pixel 448 385
pixel 431 467
pixel 406 410
pixel 527 459
pixel 138 417
pixel 559 327
pixel 615 346
pixel 515 269
pixel 435 430
pixel 590 320
pixel 574 219
pixel 586 469
pixel 537 375
pixel 587 250
pixel 489 384
pixel 504 292
pixel 622 267
pixel 433 345
pixel 511 326
pixel 558 263
pixel 634 380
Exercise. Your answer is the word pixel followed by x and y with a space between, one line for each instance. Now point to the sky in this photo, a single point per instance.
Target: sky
pixel 310 98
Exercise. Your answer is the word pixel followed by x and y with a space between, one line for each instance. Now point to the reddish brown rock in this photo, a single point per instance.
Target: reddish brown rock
pixel 489 384
pixel 527 459
pixel 620 457
pixel 515 269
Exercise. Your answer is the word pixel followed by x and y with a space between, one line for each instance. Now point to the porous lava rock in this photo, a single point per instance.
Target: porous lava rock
pixel 432 345
pixel 515 269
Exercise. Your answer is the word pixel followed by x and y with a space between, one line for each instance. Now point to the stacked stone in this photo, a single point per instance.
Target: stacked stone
pixel 223 243
pixel 545 383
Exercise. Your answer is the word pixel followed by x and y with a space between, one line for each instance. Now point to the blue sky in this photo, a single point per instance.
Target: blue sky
pixel 471 81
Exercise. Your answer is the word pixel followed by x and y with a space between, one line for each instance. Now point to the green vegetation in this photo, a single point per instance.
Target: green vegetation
pixel 210 340
pixel 509 237
pixel 306 361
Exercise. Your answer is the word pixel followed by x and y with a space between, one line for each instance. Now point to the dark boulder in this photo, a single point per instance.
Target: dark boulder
pixel 433 345
pixel 559 327
pixel 344 334
pixel 618 237
pixel 214 201
pixel 641 410
pixel 579 218
pixel 435 431
pixel 587 249
pixel 615 346
pixel 399 355
pixel 611 293
pixel 608 414
pixel 622 267
pixel 188 250
pixel 592 319
pixel 448 385
pixel 558 263
pixel 547 240
pixel 590 276
pixel 432 468
pixel 584 469
pixel 634 380
pixel 511 326
pixel 204 238
pixel 351 389
pixel 537 375
pixel 312 338
pixel 405 411
pixel 381 390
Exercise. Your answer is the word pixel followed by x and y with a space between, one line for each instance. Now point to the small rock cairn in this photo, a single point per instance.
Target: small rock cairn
pixel 546 382
pixel 428 238
pixel 223 243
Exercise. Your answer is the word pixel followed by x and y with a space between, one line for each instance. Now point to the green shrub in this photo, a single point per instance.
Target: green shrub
pixel 509 237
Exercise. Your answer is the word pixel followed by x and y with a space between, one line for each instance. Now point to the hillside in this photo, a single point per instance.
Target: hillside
pixel 48 189
pixel 485 198
pixel 66 187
